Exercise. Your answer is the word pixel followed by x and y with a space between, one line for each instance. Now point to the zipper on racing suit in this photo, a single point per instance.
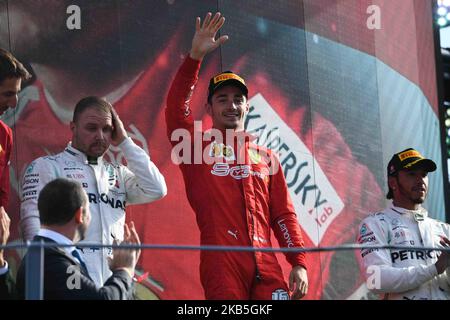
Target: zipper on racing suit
pixel 257 274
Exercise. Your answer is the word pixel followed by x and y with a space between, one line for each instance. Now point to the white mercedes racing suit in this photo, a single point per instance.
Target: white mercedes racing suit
pixel 404 273
pixel 109 188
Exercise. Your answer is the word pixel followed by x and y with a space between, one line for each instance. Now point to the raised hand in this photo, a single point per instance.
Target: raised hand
pixel 132 237
pixel 443 261
pixel 119 133
pixel 126 259
pixel 204 40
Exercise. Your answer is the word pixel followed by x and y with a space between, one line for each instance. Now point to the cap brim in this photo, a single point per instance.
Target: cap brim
pixel 232 82
pixel 426 164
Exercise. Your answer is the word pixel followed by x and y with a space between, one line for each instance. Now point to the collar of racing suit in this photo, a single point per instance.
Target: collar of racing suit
pixel 80 156
pixel 418 215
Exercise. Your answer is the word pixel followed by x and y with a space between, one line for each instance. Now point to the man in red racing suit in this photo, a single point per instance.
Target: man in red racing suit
pixel 236 202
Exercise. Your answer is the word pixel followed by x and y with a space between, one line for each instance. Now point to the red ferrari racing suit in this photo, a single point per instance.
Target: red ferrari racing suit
pixel 236 204
pixel 5 154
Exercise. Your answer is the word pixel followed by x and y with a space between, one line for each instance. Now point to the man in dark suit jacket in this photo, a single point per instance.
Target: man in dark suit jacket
pixel 64 213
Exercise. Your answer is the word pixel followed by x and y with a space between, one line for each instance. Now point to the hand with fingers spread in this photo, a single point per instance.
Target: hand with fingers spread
pixel 204 40
pixel 119 133
pixel 4 232
pixel 131 237
pixel 298 282
pixel 443 261
pixel 126 259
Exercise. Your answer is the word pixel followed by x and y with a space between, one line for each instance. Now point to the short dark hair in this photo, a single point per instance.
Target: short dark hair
pixel 91 102
pixel 10 67
pixel 59 200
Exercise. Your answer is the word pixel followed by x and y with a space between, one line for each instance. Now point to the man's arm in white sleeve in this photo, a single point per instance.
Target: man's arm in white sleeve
pixel 36 176
pixel 143 181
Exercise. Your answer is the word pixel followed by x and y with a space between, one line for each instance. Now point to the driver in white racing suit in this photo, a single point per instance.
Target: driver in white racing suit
pixel 110 187
pixel 406 273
